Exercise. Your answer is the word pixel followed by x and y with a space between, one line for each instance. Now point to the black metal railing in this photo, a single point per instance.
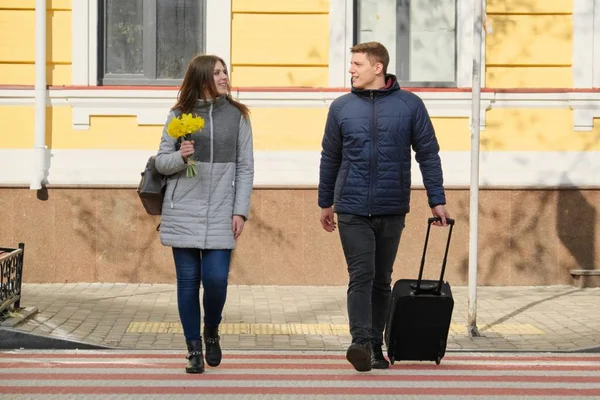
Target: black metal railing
pixel 11 275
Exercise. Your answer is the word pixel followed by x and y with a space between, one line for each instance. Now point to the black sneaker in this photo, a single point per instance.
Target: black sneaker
pixel 378 361
pixel 359 355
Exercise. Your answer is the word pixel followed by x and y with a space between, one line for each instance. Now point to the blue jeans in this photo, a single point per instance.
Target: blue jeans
pixel 211 267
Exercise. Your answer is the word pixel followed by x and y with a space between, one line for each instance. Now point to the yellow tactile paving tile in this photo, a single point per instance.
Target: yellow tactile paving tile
pixel 314 329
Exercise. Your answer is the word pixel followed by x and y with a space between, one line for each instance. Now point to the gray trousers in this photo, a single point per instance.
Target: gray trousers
pixel 370 245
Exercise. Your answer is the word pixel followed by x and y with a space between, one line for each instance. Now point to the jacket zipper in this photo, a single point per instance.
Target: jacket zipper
pixel 374 157
pixel 210 118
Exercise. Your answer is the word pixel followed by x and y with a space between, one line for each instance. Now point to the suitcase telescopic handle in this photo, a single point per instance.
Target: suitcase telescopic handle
pixel 438 289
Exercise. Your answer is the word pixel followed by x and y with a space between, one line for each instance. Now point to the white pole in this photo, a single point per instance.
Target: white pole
pixel 475 131
pixel 39 147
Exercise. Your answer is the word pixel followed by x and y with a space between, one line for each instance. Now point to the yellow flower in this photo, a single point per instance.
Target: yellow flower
pixel 176 129
pixel 187 120
pixel 192 123
pixel 184 125
pixel 199 123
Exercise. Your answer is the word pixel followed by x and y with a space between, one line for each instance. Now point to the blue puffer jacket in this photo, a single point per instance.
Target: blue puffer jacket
pixel 366 156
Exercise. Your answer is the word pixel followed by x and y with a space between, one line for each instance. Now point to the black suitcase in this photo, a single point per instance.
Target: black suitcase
pixel 420 314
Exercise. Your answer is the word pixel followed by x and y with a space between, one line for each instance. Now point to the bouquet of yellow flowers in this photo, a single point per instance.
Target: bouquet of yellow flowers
pixel 183 127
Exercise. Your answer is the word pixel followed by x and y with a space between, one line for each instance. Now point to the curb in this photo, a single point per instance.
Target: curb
pixel 19 317
pixel 12 339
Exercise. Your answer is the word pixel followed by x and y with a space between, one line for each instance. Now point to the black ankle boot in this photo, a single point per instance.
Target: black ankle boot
pixel 213 348
pixel 378 361
pixel 195 359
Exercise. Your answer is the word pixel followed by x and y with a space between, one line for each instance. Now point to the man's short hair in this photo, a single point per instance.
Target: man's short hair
pixel 375 52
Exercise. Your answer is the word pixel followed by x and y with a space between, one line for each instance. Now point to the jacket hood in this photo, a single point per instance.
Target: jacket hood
pixel 216 103
pixel 391 85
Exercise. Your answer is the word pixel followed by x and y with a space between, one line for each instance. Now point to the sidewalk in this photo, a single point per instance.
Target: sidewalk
pixel 144 316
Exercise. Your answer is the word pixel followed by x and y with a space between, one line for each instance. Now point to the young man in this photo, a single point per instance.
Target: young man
pixel 365 174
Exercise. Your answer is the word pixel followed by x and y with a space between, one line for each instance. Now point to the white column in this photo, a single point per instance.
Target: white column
pixel 84 42
pixel 218 29
pixel 340 41
pixel 583 43
pixel 596 37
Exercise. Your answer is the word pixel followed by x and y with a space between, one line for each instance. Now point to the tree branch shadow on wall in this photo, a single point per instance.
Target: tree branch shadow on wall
pixel 263 229
pixel 521 242
pixel 576 227
pixel 528 242
pixel 119 234
pixel 123 237
pixel 502 25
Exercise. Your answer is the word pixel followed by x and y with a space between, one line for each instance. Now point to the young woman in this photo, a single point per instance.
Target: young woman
pixel 202 216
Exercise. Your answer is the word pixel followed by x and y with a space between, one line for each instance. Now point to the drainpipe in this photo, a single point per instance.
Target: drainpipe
pixel 39 147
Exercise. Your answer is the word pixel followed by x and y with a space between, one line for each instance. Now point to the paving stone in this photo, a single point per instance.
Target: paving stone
pixel 531 318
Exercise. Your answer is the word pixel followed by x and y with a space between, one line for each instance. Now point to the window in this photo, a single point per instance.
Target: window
pixel 420 35
pixel 149 42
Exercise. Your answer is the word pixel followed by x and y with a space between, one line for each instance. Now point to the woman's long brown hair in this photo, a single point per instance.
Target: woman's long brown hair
pixel 198 82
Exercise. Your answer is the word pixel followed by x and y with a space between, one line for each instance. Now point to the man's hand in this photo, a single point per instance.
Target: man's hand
pixel 237 225
pixel 328 219
pixel 186 149
pixel 440 211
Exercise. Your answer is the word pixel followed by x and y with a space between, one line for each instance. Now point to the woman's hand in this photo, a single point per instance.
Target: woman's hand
pixel 186 149
pixel 237 225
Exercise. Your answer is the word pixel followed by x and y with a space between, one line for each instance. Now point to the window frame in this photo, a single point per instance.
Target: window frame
pixel 344 35
pixel 86 22
pixel 149 50
pixel 404 44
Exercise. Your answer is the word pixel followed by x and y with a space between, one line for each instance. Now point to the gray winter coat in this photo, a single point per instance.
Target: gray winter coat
pixel 197 212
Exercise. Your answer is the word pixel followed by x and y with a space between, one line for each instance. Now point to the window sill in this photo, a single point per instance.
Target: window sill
pixel 151 104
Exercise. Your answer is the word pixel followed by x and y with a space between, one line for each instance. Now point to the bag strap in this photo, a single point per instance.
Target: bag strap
pixel 437 289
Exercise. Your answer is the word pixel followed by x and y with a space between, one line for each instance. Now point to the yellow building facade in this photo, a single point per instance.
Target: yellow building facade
pixel 112 70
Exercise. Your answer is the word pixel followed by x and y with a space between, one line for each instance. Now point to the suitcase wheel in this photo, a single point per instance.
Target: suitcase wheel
pixel 438 360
